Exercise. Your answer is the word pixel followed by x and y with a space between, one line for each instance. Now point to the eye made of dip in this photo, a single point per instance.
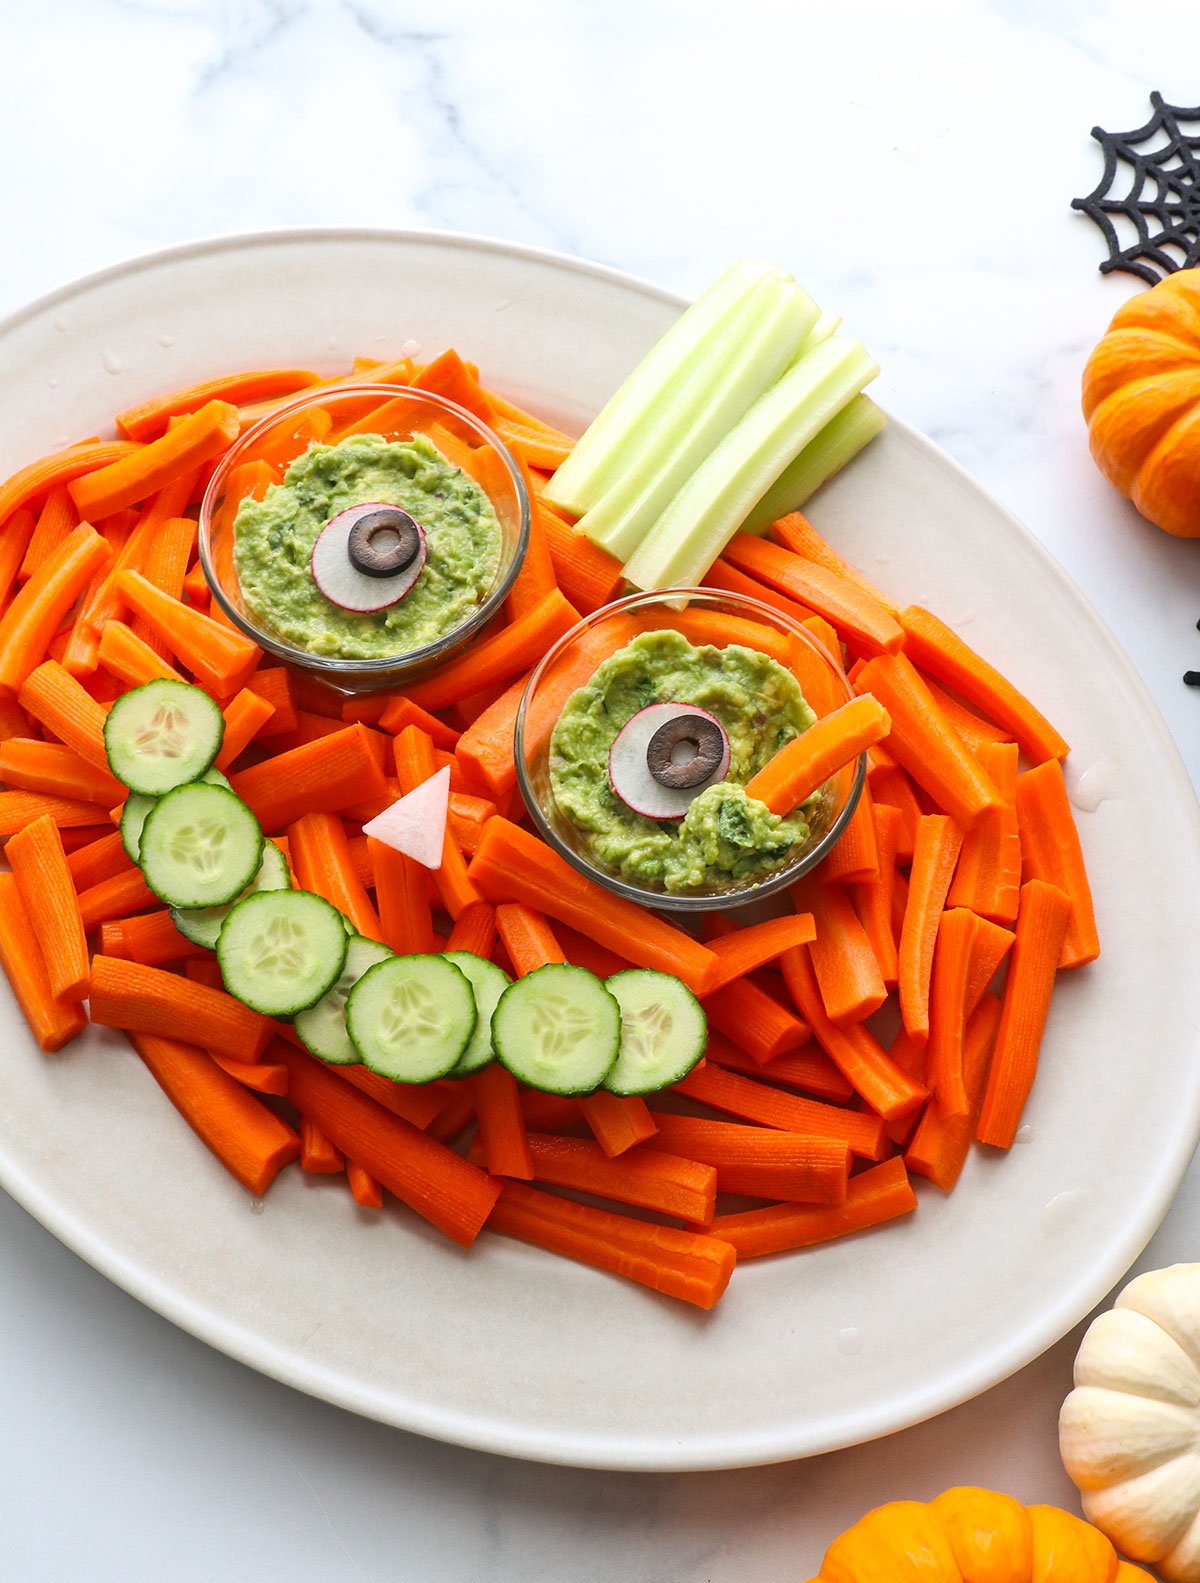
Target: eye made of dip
pixel 311 604
pixel 711 836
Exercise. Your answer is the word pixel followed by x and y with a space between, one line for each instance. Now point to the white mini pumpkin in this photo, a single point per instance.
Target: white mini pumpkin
pixel 1129 1432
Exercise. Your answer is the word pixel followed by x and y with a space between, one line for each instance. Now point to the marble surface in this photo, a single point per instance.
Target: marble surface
pixel 914 166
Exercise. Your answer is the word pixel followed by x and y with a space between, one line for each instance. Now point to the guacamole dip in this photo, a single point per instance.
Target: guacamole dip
pixel 274 538
pixel 725 838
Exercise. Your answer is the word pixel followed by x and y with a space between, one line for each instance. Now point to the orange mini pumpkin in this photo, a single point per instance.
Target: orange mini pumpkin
pixel 973 1536
pixel 1141 399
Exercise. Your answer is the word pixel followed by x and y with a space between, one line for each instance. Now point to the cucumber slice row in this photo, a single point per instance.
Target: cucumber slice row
pixel 136 811
pixel 488 983
pixel 281 950
pixel 323 1026
pixel 200 846
pixel 162 735
pixel 202 925
pixel 411 1018
pixel 663 1031
pixel 558 1029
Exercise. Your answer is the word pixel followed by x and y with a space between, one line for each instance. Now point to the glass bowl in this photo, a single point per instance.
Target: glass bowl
pixel 397 413
pixel 575 657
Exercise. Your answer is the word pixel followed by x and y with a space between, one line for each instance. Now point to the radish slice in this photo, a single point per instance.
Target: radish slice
pixel 661 746
pixel 346 585
pixel 416 823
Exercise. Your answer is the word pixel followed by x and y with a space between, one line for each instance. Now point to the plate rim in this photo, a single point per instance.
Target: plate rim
pixel 707 1452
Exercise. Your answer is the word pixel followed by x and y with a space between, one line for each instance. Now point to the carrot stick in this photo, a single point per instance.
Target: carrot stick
pixel 757 944
pixel 100 859
pixel 150 938
pixel 468 816
pixel 29 765
pixel 317 1155
pixel 618 1122
pixel 165 565
pixel 273 684
pixel 193 441
pixel 732 581
pixel 935 853
pixel 892 787
pixel 548 1112
pixel 1041 929
pixel 20 808
pixel 498 657
pixel 418 1104
pixel 861 619
pixel 449 376
pixel 717 628
pixel 399 372
pixel 755 1021
pixel 34 482
pixel 796 533
pixel 939 1146
pixel 39 866
pixel 992 945
pixel 219 658
pixel 873 900
pixel 366 1189
pixel 126 893
pixel 250 1141
pixel 588 575
pixel 148 1000
pixel 855 857
pixel 842 956
pixel 36 613
pixel 52 1022
pixel 320 855
pixel 401 712
pixel 807 761
pixel 55 520
pixel 937 649
pixel 537 577
pixel 148 419
pixel 535 447
pixel 415 764
pixel 402 894
pixel 684 1264
pixel 455 1116
pixel 129 658
pixel 319 777
pixel 948 1009
pixel 1050 850
pixel 245 715
pixel 258 1076
pixel 528 938
pixel 645 1178
pixel 770 1107
pixel 975 732
pixel 760 1162
pixel 15 540
pixel 882 1084
pixel 809 1069
pixel 450 1193
pixel 987 878
pixel 474 930
pixel 102 602
pixel 502 1139
pixel 512 865
pixel 882 1194
pixel 924 743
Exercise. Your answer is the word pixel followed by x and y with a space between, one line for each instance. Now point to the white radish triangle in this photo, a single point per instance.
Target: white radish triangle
pixel 416 823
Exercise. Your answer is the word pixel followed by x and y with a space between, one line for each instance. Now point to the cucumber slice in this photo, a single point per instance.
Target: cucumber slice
pixel 162 735
pixel 558 1029
pixel 137 808
pixel 323 1026
pixel 281 950
pixel 663 1031
pixel 200 846
pixel 202 925
pixel 488 983
pixel 411 1018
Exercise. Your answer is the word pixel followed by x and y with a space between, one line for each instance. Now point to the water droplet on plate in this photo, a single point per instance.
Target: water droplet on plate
pixel 332 343
pixel 1063 1210
pixel 166 340
pixel 60 324
pixel 850 1341
pixel 53 382
pixel 112 364
pixel 257 1206
pixel 1090 787
pixel 1024 1134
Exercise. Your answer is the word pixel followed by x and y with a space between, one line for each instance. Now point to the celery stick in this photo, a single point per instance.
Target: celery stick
pixel 741 363
pixel 710 507
pixel 614 439
pixel 828 324
pixel 838 443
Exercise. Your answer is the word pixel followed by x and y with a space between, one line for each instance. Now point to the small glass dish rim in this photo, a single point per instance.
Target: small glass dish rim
pixel 693 902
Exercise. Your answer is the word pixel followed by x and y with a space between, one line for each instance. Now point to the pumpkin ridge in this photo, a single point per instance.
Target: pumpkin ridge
pixel 1167 486
pixel 1127 425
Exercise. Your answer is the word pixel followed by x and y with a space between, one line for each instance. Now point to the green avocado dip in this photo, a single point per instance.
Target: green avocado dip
pixel 725 838
pixel 273 542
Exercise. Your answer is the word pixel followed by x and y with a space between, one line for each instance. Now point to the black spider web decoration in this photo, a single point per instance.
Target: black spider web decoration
pixel 1164 192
